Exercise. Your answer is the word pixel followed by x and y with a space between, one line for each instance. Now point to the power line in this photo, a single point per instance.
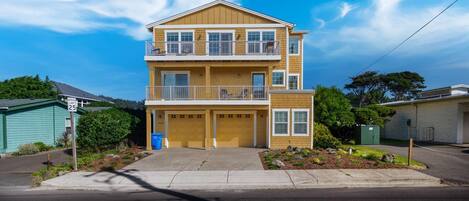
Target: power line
pixel 408 38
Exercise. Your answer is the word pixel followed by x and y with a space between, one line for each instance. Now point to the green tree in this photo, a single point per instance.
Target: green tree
pixel 367 88
pixel 373 115
pixel 27 87
pixel 404 85
pixel 332 108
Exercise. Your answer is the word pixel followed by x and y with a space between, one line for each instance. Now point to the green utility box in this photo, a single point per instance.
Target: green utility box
pixel 367 134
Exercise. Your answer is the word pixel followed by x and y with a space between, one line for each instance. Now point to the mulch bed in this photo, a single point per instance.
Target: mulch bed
pixel 117 161
pixel 318 159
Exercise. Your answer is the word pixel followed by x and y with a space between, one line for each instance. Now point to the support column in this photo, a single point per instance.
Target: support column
pixel 208 81
pixel 151 85
pixel 207 129
pixel 153 122
pixel 148 125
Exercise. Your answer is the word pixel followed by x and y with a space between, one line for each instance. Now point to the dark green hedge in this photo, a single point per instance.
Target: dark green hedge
pixel 98 131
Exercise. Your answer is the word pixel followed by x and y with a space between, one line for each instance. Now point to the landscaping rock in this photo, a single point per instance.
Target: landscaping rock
pixel 116 157
pixel 331 151
pixel 109 155
pixel 136 158
pixel 388 158
pixel 279 163
pixel 290 148
pixel 298 157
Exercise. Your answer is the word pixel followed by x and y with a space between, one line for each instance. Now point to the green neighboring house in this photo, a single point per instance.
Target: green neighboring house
pixel 24 121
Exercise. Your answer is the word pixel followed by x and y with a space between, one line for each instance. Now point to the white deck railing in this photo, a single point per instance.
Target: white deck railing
pixel 206 93
pixel 211 48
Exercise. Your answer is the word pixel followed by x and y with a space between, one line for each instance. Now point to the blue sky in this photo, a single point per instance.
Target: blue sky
pixel 98 45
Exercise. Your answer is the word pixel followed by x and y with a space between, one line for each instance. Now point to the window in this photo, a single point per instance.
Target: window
pixel 293 82
pixel 300 121
pixel 278 78
pixel 294 42
pixel 220 42
pixel 281 121
pixel 180 42
pixel 261 41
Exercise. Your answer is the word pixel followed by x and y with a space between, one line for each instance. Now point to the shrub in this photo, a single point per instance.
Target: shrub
pixel 65 140
pixel 42 147
pixel 98 131
pixel 323 137
pixel 49 173
pixel 27 149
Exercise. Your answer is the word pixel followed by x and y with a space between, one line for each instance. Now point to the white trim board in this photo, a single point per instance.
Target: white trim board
pixel 208 5
pixel 208 102
pixel 201 26
pixel 214 58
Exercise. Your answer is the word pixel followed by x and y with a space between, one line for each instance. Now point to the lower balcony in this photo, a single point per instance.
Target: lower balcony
pixel 207 95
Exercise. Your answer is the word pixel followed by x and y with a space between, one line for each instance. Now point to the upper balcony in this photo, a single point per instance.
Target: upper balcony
pixel 212 50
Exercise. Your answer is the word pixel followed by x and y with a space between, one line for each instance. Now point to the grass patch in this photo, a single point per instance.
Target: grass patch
pixel 370 153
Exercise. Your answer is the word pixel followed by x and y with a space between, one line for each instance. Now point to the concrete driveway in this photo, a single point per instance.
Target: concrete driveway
pixel 447 162
pixel 16 171
pixel 179 159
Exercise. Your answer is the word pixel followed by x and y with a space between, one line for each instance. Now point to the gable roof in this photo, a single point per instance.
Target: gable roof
pixel 70 91
pixel 214 3
pixel 16 104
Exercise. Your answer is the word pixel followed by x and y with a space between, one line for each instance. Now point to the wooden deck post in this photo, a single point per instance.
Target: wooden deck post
pixel 148 124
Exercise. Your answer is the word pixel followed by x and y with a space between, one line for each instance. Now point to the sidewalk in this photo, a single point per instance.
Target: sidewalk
pixel 249 179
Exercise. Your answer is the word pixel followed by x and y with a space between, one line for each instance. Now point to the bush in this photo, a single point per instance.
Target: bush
pixel 49 173
pixel 323 137
pixel 102 130
pixel 43 147
pixel 27 149
pixel 65 140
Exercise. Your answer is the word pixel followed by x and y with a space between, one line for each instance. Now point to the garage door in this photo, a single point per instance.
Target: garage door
pixel 186 130
pixel 234 130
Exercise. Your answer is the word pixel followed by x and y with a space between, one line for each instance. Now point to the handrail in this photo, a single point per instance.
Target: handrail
pixel 226 92
pixel 212 48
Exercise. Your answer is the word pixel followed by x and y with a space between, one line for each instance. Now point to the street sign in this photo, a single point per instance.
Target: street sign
pixel 72 104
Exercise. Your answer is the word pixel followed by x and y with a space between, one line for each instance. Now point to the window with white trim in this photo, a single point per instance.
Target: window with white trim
pixel 180 42
pixel 294 45
pixel 260 42
pixel 278 78
pixel 300 121
pixel 281 121
pixel 293 82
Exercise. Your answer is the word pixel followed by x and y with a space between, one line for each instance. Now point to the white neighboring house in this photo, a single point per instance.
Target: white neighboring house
pixel 438 115
pixel 84 98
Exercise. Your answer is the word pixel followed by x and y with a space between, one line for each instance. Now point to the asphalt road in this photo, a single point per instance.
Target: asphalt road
pixel 346 194
pixel 446 162
pixel 16 171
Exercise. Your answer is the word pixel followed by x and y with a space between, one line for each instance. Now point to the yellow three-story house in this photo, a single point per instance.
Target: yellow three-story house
pixel 221 75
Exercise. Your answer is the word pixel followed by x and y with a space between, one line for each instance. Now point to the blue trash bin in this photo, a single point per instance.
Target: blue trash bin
pixel 156 140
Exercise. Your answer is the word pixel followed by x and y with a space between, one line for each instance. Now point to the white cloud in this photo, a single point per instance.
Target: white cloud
pixel 321 23
pixel 345 8
pixel 386 23
pixel 72 16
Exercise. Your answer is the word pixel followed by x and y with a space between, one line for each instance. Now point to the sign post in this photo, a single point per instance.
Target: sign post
pixel 72 105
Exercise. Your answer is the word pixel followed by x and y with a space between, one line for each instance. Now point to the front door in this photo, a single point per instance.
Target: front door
pixel 258 85
pixel 175 85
